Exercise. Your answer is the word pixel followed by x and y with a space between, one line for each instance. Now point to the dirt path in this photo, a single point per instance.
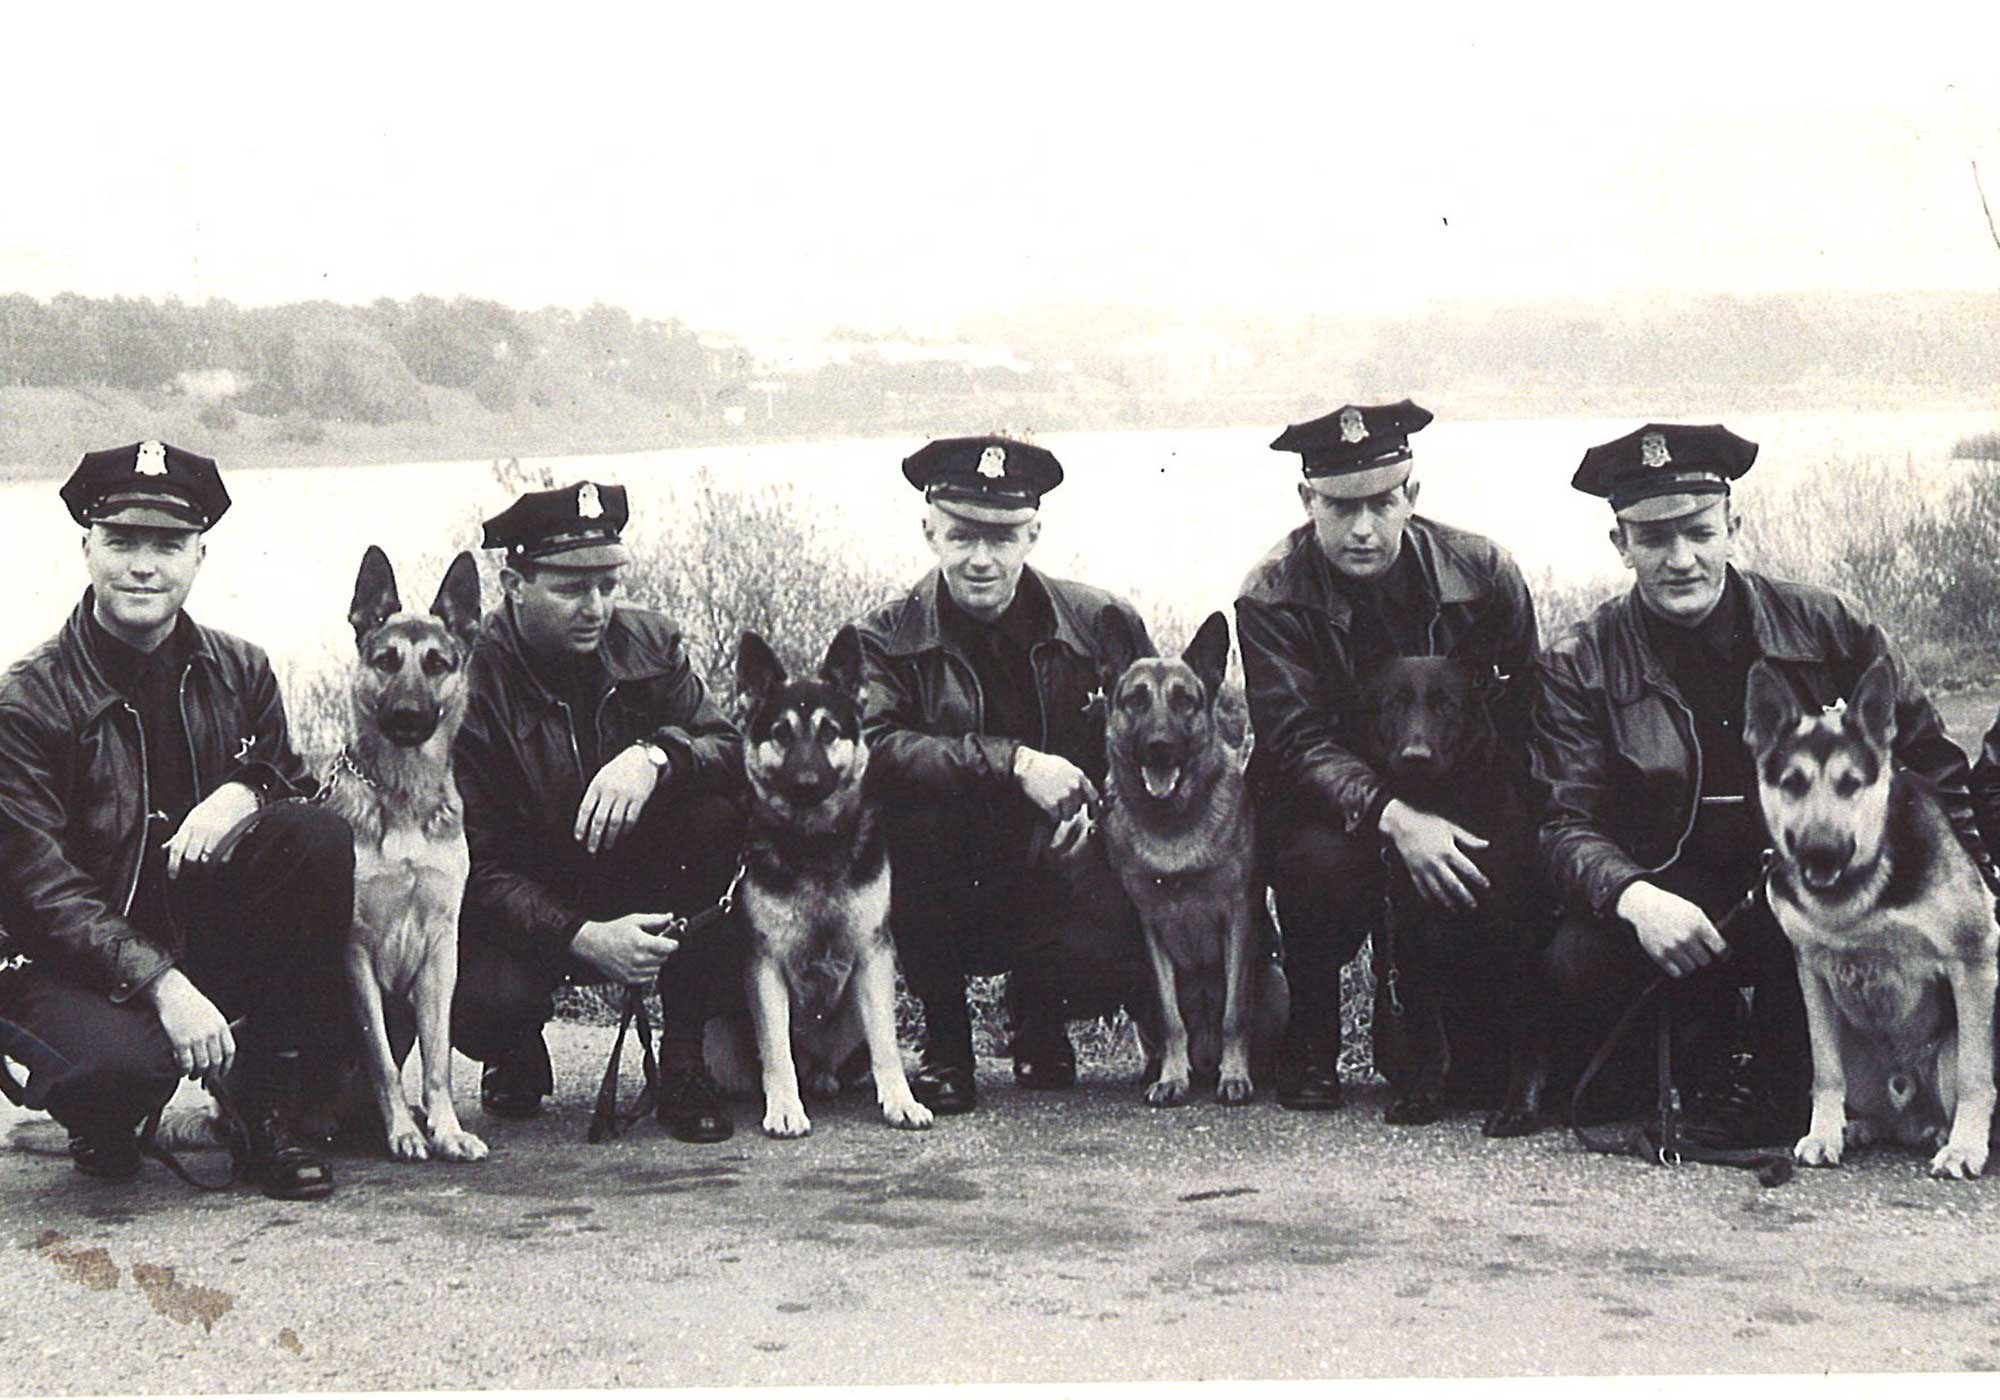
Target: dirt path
pixel 1071 1237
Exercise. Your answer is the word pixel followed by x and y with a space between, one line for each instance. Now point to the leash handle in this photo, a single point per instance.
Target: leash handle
pixel 233 1133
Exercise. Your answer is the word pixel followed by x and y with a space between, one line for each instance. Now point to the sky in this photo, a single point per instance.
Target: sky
pixel 779 170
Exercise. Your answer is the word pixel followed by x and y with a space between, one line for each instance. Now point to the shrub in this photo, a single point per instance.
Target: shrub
pixel 217 415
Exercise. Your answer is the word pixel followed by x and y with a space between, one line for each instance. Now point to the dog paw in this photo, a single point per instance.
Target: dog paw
pixel 1508 1122
pixel 1959 1163
pixel 457 1146
pixel 1167 1092
pixel 1816 1151
pixel 910 1114
pixel 1235 1089
pixel 824 1085
pixel 786 1121
pixel 406 1144
pixel 1411 1111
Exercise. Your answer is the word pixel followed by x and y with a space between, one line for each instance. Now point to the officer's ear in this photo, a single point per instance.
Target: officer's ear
pixel 511 580
pixel 1410 488
pixel 1032 531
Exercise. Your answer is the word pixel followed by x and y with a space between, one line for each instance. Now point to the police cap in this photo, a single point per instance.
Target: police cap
pixel 1664 470
pixel 148 483
pixel 1357 450
pixel 993 479
pixel 572 527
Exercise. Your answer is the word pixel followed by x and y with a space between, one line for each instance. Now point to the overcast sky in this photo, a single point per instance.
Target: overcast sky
pixel 777 169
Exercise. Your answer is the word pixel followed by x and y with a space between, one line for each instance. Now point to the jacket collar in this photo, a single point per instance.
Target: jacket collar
pixel 1305 576
pixel 623 657
pixel 95 692
pixel 1631 664
pixel 919 629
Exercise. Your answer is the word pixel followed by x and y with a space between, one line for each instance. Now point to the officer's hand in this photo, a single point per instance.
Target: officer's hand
pixel 198 1032
pixel 213 818
pixel 1673 931
pixel 627 950
pixel 1435 852
pixel 1053 783
pixel 614 799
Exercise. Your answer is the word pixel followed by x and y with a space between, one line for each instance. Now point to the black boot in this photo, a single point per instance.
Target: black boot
pixel 944 1080
pixel 1310 1078
pixel 1043 1055
pixel 106 1154
pixel 691 1106
pixel 513 1084
pixel 271 1153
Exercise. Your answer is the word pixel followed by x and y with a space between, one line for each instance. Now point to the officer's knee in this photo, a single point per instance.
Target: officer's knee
pixel 314 840
pixel 123 1079
pixel 496 1002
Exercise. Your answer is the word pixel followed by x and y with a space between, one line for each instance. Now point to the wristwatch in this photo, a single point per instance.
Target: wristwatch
pixel 659 757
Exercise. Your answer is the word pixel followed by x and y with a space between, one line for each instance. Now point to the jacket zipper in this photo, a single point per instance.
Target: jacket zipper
pixel 1694 747
pixel 1041 704
pixel 145 810
pixel 180 701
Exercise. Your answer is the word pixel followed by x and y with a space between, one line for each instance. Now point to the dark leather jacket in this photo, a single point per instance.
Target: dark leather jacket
pixel 1614 751
pixel 520 776
pixel 1294 626
pixel 74 794
pixel 924 714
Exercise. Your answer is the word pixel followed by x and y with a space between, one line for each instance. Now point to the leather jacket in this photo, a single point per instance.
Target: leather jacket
pixel 519 773
pixel 74 793
pixel 924 714
pixel 1294 625
pixel 1614 752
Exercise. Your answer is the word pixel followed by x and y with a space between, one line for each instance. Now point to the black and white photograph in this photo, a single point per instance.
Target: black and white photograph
pixel 561 828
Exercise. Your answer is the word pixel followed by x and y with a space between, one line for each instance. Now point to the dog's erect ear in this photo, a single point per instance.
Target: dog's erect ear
pixel 457 601
pixel 758 673
pixel 1123 643
pixel 1208 653
pixel 842 667
pixel 1769 708
pixel 1872 707
pixel 375 599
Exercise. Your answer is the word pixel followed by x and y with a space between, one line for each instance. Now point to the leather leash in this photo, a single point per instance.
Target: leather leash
pixel 607 1120
pixel 1660 1140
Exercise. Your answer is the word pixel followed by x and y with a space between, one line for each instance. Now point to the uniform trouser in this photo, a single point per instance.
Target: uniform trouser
pixel 976 891
pixel 1330 888
pixel 263 933
pixel 678 860
pixel 1597 968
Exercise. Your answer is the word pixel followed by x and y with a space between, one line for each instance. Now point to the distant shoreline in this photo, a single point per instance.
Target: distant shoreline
pixel 43 430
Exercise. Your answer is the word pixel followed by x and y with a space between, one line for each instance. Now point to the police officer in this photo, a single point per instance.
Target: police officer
pixel 600 788
pixel 988 746
pixel 1651 828
pixel 174 912
pixel 1363 580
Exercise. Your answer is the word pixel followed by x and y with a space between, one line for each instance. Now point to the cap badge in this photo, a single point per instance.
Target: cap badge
pixel 1653 450
pixel 152 459
pixel 1352 429
pixel 993 462
pixel 588 506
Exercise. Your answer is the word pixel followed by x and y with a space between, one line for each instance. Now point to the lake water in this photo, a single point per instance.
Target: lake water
pixel 1167 516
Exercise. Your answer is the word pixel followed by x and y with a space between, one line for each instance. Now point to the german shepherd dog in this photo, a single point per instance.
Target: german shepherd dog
pixel 821 969
pixel 1180 833
pixel 393 783
pixel 1460 988
pixel 1893 928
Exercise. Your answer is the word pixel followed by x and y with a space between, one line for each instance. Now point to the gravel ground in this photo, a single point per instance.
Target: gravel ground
pixel 1067 1237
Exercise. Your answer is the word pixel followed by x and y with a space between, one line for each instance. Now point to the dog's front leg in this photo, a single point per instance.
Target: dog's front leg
pixel 448 1139
pixel 1233 1085
pixel 1827 1134
pixel 1172 1085
pixel 385 1080
pixel 1963 1155
pixel 771 1012
pixel 874 989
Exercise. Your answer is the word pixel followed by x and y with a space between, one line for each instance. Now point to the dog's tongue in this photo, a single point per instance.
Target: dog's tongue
pixel 1160 782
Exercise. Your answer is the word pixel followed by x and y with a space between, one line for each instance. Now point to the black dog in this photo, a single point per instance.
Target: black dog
pixel 1458 993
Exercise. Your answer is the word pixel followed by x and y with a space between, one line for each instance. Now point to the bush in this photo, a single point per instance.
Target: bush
pixel 217 415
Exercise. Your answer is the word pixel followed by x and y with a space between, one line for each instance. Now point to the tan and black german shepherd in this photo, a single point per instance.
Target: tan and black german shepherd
pixel 1893 928
pixel 393 783
pixel 1180 833
pixel 821 969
